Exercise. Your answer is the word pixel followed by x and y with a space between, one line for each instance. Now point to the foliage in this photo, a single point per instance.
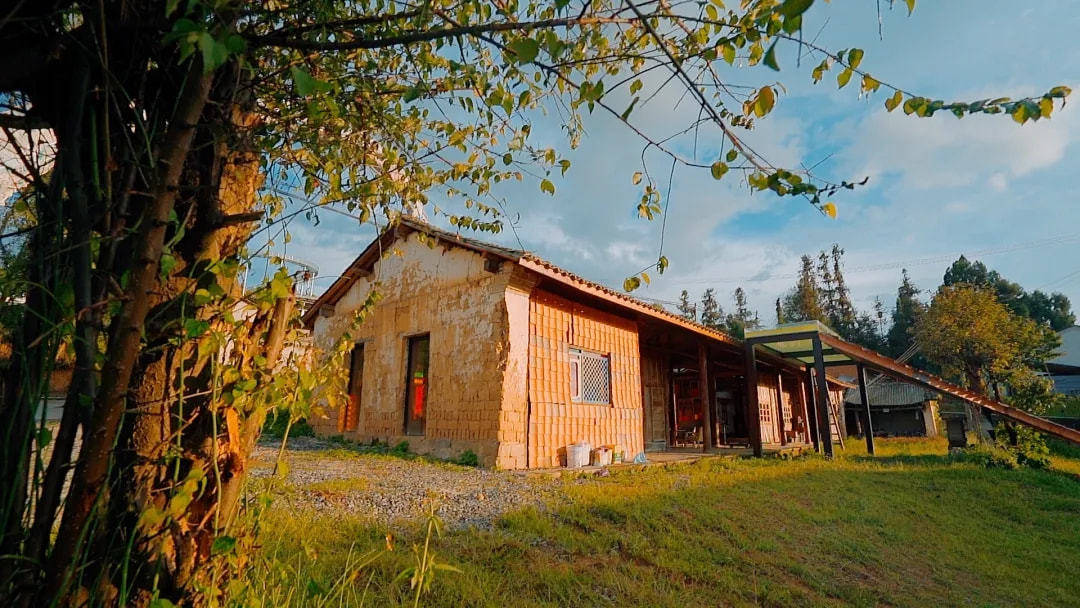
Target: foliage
pixel 685 308
pixel 906 312
pixel 803 302
pixel 973 336
pixel 277 422
pixel 183 128
pixel 712 314
pixel 468 458
pixel 742 318
pixel 1053 310
pixel 1027 445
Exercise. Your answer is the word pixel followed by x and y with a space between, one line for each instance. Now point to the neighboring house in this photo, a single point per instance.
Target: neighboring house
pixel 897 409
pixel 1064 369
pixel 472 346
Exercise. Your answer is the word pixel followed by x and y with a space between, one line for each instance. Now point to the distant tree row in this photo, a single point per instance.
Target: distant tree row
pixel 709 313
pixel 821 293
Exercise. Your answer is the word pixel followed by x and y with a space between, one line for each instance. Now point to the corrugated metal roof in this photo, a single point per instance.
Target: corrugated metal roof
pixel 1066 384
pixel 890 394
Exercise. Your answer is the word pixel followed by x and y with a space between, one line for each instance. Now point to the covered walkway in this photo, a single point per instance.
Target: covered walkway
pixel 817 348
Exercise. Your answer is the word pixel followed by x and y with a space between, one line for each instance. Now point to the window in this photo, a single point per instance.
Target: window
pixel 351 416
pixel 590 377
pixel 416 385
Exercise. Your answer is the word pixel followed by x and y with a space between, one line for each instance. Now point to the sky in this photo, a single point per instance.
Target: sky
pixel 938 187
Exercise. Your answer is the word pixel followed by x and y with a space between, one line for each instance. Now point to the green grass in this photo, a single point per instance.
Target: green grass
pixel 910 527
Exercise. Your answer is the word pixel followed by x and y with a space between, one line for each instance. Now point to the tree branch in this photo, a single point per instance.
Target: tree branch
pixel 428 35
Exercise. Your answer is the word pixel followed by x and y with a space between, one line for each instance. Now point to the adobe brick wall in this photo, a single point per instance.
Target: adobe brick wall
pixel 447 293
pixel 555 325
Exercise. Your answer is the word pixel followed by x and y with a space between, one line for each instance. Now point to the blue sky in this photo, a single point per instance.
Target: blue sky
pixel 938 187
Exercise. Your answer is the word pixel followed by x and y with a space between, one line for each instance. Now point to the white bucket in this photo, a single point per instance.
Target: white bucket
pixel 577 455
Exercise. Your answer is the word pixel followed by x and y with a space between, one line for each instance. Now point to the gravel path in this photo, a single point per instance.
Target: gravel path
pixel 327 478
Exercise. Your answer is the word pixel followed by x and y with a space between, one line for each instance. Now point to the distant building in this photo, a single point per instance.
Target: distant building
pixel 1064 369
pixel 897 409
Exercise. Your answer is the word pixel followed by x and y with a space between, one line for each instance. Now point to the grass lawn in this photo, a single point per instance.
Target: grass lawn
pixel 908 528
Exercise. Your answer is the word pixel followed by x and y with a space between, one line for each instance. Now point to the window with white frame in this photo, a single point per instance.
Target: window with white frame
pixel 590 377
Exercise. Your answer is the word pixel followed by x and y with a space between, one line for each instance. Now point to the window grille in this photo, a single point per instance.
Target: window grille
pixel 590 377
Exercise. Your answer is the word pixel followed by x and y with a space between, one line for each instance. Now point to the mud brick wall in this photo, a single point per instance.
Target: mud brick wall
pixel 445 292
pixel 555 325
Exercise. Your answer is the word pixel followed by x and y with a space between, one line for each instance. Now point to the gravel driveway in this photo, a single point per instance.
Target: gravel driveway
pixel 327 477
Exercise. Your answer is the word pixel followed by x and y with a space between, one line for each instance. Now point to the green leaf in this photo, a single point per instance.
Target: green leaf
pixel 892 102
pixel 630 108
pixel 547 186
pixel 794 8
pixel 732 154
pixel 728 53
pixel 910 6
pixel 631 283
pixel 193 328
pixel 770 57
pixel 222 544
pixel 766 99
pixel 305 84
pixel 718 169
pixel 635 86
pixel 525 49
pixel 854 58
pixel 844 77
pixel 1060 92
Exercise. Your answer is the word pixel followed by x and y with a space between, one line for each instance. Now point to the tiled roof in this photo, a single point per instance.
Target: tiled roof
pixel 890 394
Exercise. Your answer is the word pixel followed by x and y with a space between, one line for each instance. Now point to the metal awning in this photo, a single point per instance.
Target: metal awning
pixel 795 341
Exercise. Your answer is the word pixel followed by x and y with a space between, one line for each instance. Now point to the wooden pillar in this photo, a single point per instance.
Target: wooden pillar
pixel 753 412
pixel 868 425
pixel 707 443
pixel 809 410
pixel 780 407
pixel 823 399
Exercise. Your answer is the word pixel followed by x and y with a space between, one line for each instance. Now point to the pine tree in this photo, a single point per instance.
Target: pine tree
pixel 712 315
pixel 743 318
pixel 803 302
pixel 842 315
pixel 687 310
pixel 779 313
pixel 905 314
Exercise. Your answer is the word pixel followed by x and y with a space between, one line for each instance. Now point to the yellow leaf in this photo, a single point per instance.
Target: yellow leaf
pixel 829 209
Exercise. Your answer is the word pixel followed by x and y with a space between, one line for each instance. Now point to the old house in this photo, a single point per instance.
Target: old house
pixel 472 346
pixel 898 409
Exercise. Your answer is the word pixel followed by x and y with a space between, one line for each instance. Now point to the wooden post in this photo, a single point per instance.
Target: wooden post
pixel 753 412
pixel 780 407
pixel 823 399
pixel 809 410
pixel 868 425
pixel 707 443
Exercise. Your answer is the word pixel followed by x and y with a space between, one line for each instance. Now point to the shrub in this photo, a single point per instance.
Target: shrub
pixel 467 458
pixel 989 456
pixel 279 419
pixel 1027 445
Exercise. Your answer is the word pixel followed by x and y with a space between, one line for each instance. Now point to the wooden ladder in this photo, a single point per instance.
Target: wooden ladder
pixel 834 423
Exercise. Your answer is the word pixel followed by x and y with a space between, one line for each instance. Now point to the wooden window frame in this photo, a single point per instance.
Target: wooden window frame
pixel 577 390
pixel 350 418
pixel 409 341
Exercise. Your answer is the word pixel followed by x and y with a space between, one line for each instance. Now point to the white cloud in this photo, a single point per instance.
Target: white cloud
pixel 943 152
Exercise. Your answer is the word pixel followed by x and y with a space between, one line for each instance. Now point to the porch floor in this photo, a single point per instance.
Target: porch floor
pixel 680 455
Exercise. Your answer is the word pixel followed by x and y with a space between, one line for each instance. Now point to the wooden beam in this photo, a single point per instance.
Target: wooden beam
pixel 753 412
pixel 780 407
pixel 707 443
pixel 809 410
pixel 868 425
pixel 823 399
pixel 781 338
